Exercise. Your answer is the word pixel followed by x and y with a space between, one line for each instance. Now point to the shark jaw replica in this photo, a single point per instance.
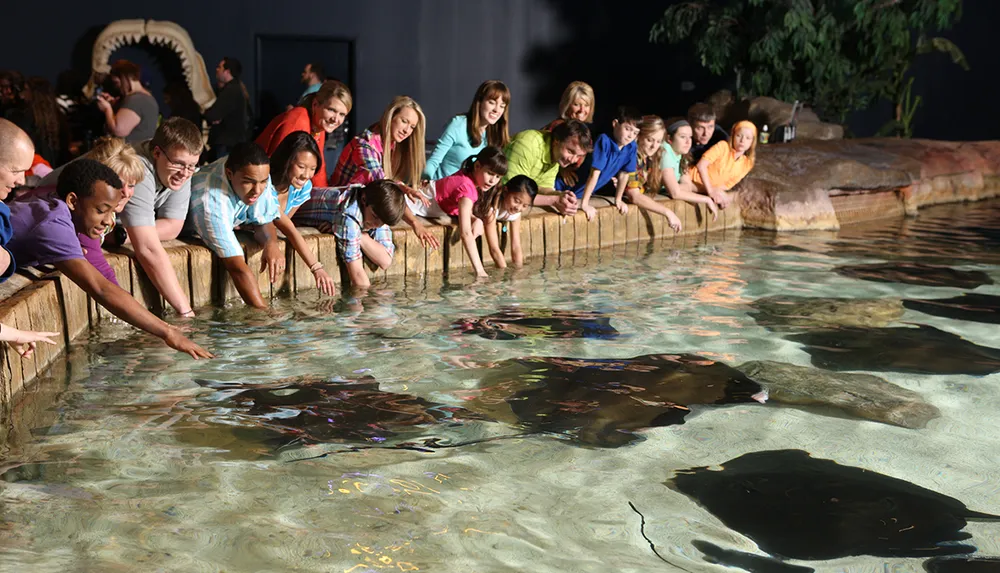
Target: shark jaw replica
pixel 161 33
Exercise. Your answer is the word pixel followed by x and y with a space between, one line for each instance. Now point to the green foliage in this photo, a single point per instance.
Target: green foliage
pixel 839 55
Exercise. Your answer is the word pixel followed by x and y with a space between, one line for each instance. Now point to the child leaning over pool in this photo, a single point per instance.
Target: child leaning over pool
pixel 457 194
pixel 504 204
pixel 726 163
pixel 359 217
pixel 613 156
pixel 663 164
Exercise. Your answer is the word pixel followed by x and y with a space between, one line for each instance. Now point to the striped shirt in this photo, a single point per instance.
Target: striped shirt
pixel 216 210
pixel 339 207
pixel 361 161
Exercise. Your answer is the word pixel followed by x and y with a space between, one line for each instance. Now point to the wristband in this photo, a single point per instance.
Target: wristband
pixel 316 266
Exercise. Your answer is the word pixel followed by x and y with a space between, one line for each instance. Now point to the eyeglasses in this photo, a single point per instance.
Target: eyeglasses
pixel 178 165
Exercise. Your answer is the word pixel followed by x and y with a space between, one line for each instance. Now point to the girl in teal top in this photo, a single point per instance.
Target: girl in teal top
pixel 467 134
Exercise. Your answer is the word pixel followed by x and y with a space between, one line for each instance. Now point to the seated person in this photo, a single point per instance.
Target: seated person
pixel 661 165
pixel 701 117
pixel 45 228
pixel 612 163
pixel 360 218
pixel 726 164
pixel 538 155
pixel 293 163
pixel 159 206
pixel 232 191
pixel 125 162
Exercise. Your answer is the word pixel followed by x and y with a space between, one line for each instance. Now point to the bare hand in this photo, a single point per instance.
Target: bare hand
pixel 325 282
pixel 426 237
pixel 15 336
pixel 621 206
pixel 174 339
pixel 273 260
pixel 589 211
pixel 720 197
pixel 567 204
pixel 674 222
pixel 104 103
pixel 713 209
pixel 416 195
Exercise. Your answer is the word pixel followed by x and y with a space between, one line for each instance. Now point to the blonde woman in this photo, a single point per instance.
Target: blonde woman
pixel 577 103
pixel 391 149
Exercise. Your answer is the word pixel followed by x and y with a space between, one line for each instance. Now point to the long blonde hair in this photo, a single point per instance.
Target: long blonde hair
pixel 650 176
pixel 411 159
pixel 573 92
pixel 120 157
pixel 496 134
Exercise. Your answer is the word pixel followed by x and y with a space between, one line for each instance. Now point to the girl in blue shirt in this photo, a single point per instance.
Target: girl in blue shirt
pixel 467 134
pixel 293 164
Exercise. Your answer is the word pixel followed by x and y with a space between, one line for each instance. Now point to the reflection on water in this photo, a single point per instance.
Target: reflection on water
pixel 513 322
pixel 799 507
pixel 602 402
pixel 435 451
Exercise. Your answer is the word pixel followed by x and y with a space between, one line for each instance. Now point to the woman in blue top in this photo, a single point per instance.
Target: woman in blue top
pixel 467 134
pixel 293 164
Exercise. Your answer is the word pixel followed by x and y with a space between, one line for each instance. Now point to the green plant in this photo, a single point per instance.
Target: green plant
pixel 839 55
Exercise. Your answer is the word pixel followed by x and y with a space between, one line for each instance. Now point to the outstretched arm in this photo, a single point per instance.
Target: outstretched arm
pixel 245 281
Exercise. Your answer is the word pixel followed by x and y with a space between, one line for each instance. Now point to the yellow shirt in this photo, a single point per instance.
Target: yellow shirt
pixel 724 171
pixel 530 153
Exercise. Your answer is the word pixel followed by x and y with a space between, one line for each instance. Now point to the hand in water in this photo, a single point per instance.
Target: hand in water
pixel 273 260
pixel 174 339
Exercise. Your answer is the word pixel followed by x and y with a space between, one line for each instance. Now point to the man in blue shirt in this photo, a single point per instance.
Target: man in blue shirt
pixel 231 192
pixel 613 155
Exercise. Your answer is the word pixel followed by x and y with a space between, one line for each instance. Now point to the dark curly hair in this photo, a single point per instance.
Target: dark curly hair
pixel 246 153
pixel 80 176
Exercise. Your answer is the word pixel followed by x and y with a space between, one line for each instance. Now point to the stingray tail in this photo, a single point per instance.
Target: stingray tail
pixel 977 516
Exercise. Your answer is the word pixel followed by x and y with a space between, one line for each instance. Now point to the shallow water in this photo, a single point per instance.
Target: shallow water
pixel 134 459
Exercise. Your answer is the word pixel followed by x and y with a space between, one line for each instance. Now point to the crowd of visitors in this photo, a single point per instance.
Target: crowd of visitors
pixel 150 180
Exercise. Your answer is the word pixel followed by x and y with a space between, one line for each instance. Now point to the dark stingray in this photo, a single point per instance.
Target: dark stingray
pixel 963 565
pixel 746 561
pixel 511 323
pixel 602 402
pixel 971 307
pixel 317 410
pixel 916 274
pixel 798 507
pixel 921 350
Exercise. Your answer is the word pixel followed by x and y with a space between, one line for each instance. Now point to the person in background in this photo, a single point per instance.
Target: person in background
pixel 134 113
pixel 313 77
pixel 457 193
pixel 40 117
pixel 230 192
pixel 293 163
pixel 229 116
pixel 11 89
pixel 726 163
pixel 159 206
pixel 177 95
pixel 540 154
pixel 701 117
pixel 577 102
pixel 320 115
pixel 391 149
pixel 469 133
pixel 45 232
pixel 361 219
pixel 504 204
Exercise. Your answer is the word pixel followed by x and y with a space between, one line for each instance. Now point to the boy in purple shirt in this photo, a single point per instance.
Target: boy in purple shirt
pixel 45 232
pixel 613 155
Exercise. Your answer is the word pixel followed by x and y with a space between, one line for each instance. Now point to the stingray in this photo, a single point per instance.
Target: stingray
pixel 746 561
pixel 921 350
pixel 311 410
pixel 602 402
pixel 794 506
pixel 511 323
pixel 916 274
pixel 784 312
pixel 971 307
pixel 962 565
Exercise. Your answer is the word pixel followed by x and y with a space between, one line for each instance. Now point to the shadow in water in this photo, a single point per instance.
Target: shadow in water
pixel 916 274
pixel 746 561
pixel 603 402
pixel 921 350
pixel 963 565
pixel 798 507
pixel 971 307
pixel 511 323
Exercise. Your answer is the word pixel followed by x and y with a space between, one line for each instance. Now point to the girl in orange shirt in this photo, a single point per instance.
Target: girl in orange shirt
pixel 726 163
